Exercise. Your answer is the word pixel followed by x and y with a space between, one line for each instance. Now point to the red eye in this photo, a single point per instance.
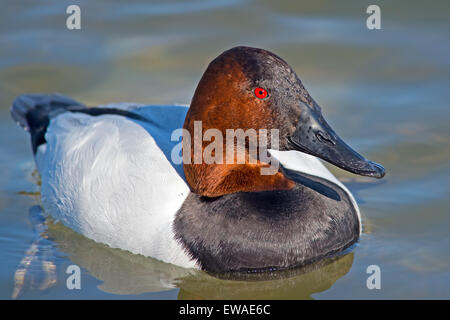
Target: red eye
pixel 261 93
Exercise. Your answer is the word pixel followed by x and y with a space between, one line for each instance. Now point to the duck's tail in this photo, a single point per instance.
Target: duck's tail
pixel 33 112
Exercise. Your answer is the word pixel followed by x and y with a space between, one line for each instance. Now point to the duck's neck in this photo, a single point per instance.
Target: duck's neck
pixel 214 180
pixel 217 175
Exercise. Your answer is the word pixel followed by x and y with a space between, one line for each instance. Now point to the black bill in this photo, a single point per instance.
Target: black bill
pixel 314 136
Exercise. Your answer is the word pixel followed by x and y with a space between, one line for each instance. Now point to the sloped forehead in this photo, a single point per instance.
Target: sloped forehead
pixel 258 64
pixel 247 67
pixel 264 68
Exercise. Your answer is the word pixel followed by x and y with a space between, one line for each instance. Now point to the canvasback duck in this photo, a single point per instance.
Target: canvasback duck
pixel 111 172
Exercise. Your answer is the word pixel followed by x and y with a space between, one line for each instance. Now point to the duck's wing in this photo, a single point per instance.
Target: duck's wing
pixel 105 176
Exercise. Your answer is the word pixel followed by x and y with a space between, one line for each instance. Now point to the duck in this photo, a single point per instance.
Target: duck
pixel 113 172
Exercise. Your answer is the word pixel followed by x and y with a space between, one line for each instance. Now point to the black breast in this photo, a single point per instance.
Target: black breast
pixel 256 231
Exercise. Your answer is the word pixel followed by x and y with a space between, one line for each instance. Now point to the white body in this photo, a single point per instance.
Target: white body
pixel 111 179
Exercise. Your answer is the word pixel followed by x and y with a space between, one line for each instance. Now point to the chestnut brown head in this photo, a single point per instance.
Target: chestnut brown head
pixel 249 88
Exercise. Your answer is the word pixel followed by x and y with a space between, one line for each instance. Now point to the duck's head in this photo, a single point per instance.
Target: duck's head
pixel 249 88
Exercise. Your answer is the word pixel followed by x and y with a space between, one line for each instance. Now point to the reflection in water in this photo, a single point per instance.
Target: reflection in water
pixel 37 268
pixel 292 284
pixel 125 273
pixel 121 271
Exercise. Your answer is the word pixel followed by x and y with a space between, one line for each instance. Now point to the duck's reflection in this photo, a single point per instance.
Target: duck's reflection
pixel 126 273
pixel 121 271
pixel 298 283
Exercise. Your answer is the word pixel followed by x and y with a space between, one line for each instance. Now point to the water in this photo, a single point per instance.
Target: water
pixel 385 92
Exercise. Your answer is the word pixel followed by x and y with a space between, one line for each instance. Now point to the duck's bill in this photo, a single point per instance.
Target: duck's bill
pixel 314 136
